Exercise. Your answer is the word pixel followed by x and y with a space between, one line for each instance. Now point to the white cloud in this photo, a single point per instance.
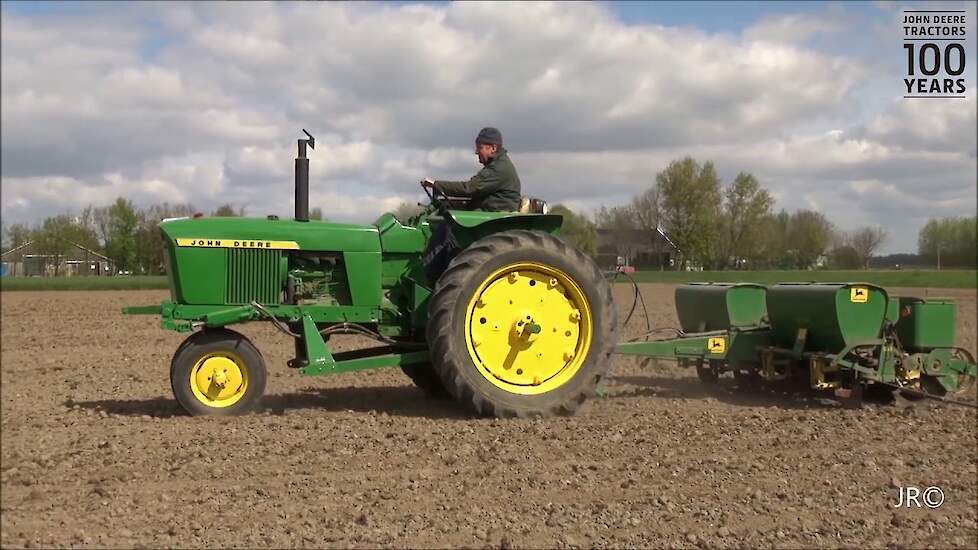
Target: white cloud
pixel 795 28
pixel 203 103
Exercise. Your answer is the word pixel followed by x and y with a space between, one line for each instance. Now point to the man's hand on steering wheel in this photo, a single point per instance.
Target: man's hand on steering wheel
pixel 429 189
pixel 438 197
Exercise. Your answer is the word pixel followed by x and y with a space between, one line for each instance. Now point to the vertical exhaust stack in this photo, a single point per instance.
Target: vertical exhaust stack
pixel 302 178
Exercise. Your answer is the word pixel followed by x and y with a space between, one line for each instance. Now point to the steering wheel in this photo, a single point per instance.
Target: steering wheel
pixel 434 194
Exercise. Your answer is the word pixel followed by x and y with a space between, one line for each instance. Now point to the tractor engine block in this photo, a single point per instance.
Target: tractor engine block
pixel 317 278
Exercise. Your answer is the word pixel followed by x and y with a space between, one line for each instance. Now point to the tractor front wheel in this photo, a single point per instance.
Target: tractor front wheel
pixel 521 324
pixel 218 372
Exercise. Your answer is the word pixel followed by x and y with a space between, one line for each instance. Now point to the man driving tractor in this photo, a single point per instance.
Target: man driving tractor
pixel 495 188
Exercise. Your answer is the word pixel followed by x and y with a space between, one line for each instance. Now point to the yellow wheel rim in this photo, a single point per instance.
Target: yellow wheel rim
pixel 528 328
pixel 219 379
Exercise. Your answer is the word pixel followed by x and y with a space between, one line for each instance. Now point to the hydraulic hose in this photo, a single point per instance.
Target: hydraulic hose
pixel 637 298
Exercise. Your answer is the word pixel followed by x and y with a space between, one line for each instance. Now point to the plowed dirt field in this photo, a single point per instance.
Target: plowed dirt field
pixel 96 453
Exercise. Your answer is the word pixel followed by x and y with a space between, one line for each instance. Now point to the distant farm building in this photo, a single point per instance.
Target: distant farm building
pixel 28 260
pixel 643 249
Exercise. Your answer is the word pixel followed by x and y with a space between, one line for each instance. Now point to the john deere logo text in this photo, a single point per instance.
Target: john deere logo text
pixel 238 243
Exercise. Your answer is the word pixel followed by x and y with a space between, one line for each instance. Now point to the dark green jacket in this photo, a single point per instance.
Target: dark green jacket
pixel 495 188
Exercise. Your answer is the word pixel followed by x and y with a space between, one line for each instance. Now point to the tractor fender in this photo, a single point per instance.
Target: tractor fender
pixel 470 226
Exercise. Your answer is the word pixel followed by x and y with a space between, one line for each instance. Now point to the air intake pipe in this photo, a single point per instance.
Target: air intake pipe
pixel 302 178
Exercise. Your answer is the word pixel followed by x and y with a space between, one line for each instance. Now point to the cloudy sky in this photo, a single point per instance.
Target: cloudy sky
pixel 203 102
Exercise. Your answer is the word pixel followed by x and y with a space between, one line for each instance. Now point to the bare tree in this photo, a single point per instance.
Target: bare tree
pixel 866 241
pixel 16 235
pixel 645 209
pixel 96 218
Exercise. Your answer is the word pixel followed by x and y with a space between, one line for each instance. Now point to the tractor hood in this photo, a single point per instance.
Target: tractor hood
pixel 270 234
pixel 238 260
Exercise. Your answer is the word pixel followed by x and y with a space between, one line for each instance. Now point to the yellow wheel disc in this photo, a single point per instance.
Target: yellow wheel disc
pixel 528 328
pixel 219 379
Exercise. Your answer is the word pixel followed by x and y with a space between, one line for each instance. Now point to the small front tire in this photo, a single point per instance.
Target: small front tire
pixel 219 373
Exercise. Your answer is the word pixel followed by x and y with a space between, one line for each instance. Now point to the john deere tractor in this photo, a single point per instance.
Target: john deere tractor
pixel 519 324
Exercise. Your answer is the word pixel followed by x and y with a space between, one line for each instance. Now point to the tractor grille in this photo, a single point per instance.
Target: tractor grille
pixel 253 275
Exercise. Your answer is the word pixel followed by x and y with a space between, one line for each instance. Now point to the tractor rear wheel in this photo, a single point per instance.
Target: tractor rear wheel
pixel 218 372
pixel 521 324
pixel 426 379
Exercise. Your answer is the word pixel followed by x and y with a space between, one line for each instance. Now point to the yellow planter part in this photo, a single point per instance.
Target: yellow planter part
pixel 219 379
pixel 528 328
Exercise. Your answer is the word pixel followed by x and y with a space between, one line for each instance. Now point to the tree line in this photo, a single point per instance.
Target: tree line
pixel 130 236
pixel 734 226
pixel 712 225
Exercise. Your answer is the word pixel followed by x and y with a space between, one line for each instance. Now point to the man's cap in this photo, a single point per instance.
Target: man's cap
pixel 489 136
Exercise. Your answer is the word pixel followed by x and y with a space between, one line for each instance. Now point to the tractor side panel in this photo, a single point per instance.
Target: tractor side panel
pixel 195 281
pixel 363 272
pixel 397 238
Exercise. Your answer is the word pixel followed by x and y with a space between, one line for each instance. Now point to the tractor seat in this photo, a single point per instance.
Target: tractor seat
pixel 530 205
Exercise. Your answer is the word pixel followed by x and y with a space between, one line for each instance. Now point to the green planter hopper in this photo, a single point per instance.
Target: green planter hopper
pixel 834 316
pixel 926 324
pixel 704 307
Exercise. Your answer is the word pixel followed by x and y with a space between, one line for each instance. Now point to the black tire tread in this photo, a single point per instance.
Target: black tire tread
pixel 423 376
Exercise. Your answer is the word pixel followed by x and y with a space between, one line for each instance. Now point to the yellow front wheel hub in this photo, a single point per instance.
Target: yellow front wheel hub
pixel 219 379
pixel 528 328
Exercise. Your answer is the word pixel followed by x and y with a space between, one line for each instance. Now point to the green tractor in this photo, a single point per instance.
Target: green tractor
pixel 519 324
